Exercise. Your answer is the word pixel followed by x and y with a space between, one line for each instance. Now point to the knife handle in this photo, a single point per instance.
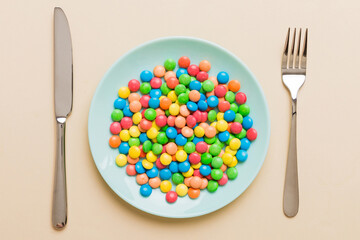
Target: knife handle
pixel 59 207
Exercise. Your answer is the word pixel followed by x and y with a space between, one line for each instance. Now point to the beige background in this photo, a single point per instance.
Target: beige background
pixel 328 112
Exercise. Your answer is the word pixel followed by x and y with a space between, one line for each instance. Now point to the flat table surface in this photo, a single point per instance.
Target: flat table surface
pixel 102 31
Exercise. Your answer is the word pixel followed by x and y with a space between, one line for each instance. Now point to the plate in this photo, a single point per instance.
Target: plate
pixel 147 56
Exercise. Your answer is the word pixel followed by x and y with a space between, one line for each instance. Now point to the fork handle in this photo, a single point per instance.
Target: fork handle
pixel 291 187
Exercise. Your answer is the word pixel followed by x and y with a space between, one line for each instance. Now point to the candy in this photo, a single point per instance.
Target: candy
pixel 165 186
pixel 202 76
pixel 205 65
pixel 193 70
pixel 181 190
pixel 232 173
pixel 154 182
pixel 130 170
pixel 245 144
pixel 142 179
pixel 170 64
pixel 121 160
pixel 159 71
pixel 171 196
pixel 244 110
pixel 145 88
pixel 223 77
pixel 212 186
pixel 184 62
pixel 251 134
pixel 193 193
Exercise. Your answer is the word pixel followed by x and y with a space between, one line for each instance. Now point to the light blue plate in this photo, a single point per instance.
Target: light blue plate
pixel 147 56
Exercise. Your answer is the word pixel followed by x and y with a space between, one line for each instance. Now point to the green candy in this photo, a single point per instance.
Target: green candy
pixel 170 64
pixel 191 138
pixel 244 110
pixel 218 142
pixel 232 173
pixel 208 86
pixel 164 128
pixel 215 149
pixel 242 134
pixel 147 146
pixel 145 88
pixel 238 118
pixel 212 115
pixel 117 115
pixel 185 79
pixel 157 148
pixel 180 89
pixel 162 138
pixel 167 112
pixel 189 147
pixel 216 162
pixel 183 98
pixel 234 107
pixel 212 186
pixel 150 114
pixel 217 174
pixel 210 140
pixel 177 178
pixel 165 89
pixel 202 90
pixel 230 97
pixel 206 158
pixel 134 142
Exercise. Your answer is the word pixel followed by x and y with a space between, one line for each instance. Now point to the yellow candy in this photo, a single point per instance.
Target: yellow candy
pixel 147 165
pixel 137 118
pixel 199 132
pixel 181 155
pixel 227 158
pixel 172 96
pixel 177 102
pixel 233 163
pixel 220 116
pixel 134 131
pixel 174 109
pixel 165 159
pixel 235 144
pixel 151 157
pixel 152 133
pixel 222 126
pixel 154 140
pixel 121 160
pixel 181 189
pixel 124 135
pixel 124 92
pixel 189 173
pixel 180 147
pixel 196 166
pixel 228 150
pixel 165 186
pixel 155 126
pixel 134 152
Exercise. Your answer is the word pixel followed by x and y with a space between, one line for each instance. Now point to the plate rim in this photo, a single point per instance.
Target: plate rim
pixel 267 114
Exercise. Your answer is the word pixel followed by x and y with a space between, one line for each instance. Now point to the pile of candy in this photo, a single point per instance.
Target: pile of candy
pixel 190 130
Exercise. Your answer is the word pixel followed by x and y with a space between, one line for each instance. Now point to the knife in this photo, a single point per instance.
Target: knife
pixel 63 92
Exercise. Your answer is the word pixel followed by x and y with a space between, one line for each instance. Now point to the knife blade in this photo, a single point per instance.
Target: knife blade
pixel 63 98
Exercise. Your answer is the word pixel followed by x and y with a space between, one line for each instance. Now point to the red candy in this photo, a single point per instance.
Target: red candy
pixel 126 122
pixel 144 100
pixel 145 124
pixel 159 165
pixel 197 173
pixel 197 115
pixel 240 98
pixel 220 91
pixel 171 121
pixel 115 128
pixel 184 62
pixel 172 82
pixel 224 106
pixel 130 170
pixel 171 196
pixel 204 116
pixel 194 158
pixel 251 134
pixel 193 70
pixel 155 82
pixel 202 76
pixel 134 85
pixel 161 120
pixel 191 121
pixel 201 147
pixel 235 127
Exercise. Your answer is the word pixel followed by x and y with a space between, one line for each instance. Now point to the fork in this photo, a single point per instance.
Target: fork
pixel 293 71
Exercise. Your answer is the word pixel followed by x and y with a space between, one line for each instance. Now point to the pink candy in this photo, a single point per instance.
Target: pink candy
pixel 201 147
pixel 194 158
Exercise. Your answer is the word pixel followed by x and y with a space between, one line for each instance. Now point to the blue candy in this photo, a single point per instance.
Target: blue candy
pixel 173 167
pixel 127 111
pixel 202 97
pixel 143 137
pixel 223 77
pixel 241 155
pixel 197 139
pixel 171 132
pixel 184 166
pixel 205 170
pixel 145 190
pixel 229 115
pixel 154 103
pixel 165 174
pixel 245 144
pixel 212 101
pixel 146 76
pixel 195 85
pixel 180 140
pixel 124 148
pixel 224 136
pixel 119 103
pixel 152 172
pixel 155 93
pixel 180 72
pixel 139 168
pixel 192 106
pixel 202 105
pixel 247 122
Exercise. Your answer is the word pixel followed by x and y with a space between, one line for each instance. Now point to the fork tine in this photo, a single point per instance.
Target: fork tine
pixel 297 57
pixel 291 60
pixel 304 53
pixel 286 50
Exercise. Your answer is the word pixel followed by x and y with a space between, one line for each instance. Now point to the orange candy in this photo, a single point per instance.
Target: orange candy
pixel 184 111
pixel 194 95
pixel 204 183
pixel 159 112
pixel 193 193
pixel 234 85
pixel 210 132
pixel 212 93
pixel 165 103
pixel 169 74
pixel 132 160
pixel 171 148
pixel 154 182
pixel 196 182
pixel 114 141
pixel 141 179
pixel 134 97
pixel 223 167
pixel 135 106
pixel 187 181
pixel 214 80
pixel 180 122
pixel 187 132
pixel 159 71
pixel 205 65
pixel 204 125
